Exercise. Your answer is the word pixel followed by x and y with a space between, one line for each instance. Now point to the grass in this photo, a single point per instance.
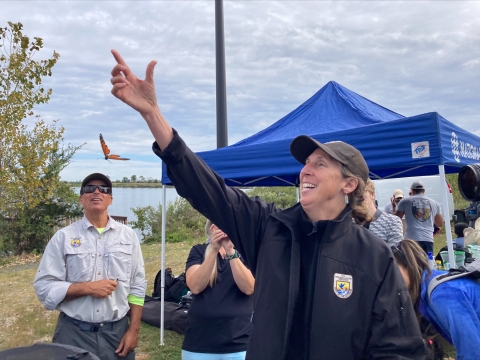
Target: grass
pixel 25 321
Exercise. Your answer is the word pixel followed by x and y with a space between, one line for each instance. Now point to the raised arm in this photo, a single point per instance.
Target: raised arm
pixel 141 96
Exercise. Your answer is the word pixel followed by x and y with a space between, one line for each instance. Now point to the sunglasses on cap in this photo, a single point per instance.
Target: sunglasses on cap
pixel 88 189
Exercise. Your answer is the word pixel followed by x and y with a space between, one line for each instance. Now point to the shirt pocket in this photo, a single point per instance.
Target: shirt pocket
pixel 118 261
pixel 80 266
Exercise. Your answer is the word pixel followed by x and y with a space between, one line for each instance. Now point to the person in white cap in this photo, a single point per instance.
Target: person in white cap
pixel 396 198
pixel 421 216
pixel 325 287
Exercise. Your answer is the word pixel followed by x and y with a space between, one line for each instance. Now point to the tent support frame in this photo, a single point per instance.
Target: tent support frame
pixel 446 215
pixel 162 266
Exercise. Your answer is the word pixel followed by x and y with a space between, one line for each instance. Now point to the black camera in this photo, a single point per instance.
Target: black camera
pixel 469 185
pixel 186 300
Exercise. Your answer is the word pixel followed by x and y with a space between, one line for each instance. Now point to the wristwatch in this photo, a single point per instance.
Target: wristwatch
pixel 233 256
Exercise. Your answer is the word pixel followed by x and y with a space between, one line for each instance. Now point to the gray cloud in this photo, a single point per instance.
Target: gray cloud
pixel 411 57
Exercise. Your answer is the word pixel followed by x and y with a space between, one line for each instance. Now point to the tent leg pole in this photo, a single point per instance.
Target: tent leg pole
pixel 446 215
pixel 297 193
pixel 162 267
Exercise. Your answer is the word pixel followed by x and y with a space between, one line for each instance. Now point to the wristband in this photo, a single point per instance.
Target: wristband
pixel 233 256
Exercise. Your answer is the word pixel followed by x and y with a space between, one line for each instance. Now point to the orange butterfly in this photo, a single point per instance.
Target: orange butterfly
pixel 106 151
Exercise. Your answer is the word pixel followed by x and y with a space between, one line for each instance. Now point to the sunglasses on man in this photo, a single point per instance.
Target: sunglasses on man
pixel 88 189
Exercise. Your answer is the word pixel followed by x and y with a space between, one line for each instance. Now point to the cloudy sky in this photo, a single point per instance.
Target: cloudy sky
pixel 412 57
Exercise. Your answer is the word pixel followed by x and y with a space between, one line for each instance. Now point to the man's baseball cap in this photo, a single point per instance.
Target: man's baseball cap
pixel 417 185
pixel 397 193
pixel 96 176
pixel 303 146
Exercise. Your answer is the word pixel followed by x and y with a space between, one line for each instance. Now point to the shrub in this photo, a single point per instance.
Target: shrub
pixel 29 230
pixel 185 223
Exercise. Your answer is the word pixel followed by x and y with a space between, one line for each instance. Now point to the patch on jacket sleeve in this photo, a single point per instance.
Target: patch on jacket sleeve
pixel 343 285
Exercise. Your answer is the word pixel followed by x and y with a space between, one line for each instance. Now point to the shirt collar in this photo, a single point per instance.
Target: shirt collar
pixel 111 224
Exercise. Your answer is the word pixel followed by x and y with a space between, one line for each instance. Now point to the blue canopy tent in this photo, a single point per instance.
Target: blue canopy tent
pixel 413 146
pixel 393 146
pixel 332 108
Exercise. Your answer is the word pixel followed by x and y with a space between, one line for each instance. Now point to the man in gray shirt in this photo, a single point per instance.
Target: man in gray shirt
pixel 421 214
pixel 92 272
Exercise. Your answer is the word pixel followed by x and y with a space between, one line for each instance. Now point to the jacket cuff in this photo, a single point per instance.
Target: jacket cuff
pixel 174 152
pixel 56 295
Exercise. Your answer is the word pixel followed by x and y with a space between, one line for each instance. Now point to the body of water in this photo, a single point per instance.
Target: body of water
pixel 126 198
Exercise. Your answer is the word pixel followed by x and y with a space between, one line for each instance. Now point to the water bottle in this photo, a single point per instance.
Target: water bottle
pixel 431 261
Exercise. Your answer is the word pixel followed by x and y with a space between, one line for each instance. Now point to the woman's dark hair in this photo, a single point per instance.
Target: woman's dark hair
pixel 411 256
pixel 459 228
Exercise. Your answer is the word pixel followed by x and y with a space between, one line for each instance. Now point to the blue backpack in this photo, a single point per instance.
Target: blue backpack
pixel 471 270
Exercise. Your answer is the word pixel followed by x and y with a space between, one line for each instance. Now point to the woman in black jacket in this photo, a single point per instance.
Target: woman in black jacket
pixel 325 287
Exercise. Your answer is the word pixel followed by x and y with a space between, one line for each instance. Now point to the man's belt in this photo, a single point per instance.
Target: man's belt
pixel 86 326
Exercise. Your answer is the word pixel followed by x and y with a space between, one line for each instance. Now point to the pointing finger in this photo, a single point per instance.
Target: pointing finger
pixel 118 57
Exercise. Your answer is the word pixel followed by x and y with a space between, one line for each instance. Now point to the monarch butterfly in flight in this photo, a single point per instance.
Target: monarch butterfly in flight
pixel 106 151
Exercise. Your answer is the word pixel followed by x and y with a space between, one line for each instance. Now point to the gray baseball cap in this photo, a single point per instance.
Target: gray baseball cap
pixel 303 146
pixel 417 185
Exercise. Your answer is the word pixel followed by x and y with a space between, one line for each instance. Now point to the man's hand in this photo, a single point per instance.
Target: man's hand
pixel 128 343
pixel 97 289
pixel 102 288
pixel 394 205
pixel 139 94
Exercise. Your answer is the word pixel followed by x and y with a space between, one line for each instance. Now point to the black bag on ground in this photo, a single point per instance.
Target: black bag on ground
pixel 175 318
pixel 177 289
pixel 157 285
pixel 47 351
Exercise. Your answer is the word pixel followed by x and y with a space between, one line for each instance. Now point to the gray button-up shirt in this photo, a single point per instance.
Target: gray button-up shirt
pixel 78 253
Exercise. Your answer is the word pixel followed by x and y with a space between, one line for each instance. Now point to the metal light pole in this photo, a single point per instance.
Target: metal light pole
pixel 221 89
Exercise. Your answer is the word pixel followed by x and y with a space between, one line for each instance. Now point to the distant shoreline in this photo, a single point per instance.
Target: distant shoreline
pixel 124 184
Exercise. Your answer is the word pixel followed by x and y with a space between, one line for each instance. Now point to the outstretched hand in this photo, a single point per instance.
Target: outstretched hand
pixel 139 94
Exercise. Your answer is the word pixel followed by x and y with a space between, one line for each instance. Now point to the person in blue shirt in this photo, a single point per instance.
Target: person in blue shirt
pixel 454 306
pixel 460 240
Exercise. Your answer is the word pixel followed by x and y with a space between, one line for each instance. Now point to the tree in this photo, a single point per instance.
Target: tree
pixel 125 179
pixel 31 157
pixel 134 178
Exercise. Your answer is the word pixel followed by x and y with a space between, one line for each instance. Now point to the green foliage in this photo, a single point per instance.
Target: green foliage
pixel 458 200
pixel 183 222
pixel 31 157
pixel 149 222
pixel 283 196
pixel 29 230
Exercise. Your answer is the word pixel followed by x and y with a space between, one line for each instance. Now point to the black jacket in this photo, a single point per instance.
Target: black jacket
pixel 375 321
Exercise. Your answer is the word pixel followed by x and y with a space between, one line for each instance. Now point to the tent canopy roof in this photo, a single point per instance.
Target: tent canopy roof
pixel 332 108
pixel 412 146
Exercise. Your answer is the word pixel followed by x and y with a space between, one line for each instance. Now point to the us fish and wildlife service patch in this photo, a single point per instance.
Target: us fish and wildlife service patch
pixel 343 285
pixel 75 243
